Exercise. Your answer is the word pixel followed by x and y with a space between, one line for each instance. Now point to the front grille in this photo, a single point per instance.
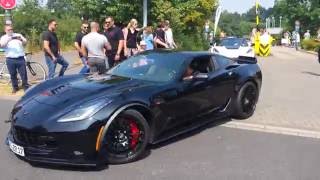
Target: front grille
pixel 33 139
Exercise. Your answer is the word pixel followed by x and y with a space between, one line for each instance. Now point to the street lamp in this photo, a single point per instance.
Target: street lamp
pixel 280 21
pixel 273 22
pixel 145 13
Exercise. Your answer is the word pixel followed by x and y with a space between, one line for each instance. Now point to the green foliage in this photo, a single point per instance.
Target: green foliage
pixel 310 44
pixel 306 11
pixel 187 18
pixel 235 24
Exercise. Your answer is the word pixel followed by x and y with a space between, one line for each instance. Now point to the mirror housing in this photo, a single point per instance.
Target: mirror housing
pixel 197 77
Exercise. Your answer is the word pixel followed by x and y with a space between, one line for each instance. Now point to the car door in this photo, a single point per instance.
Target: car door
pixel 186 100
pixel 221 82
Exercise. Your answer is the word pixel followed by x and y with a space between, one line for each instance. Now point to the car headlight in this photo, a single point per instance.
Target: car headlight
pixel 84 111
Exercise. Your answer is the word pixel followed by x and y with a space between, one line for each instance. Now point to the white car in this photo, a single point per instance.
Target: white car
pixel 232 47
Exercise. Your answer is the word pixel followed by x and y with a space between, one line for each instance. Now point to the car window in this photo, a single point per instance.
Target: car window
pixel 202 64
pixel 157 67
pixel 233 42
pixel 221 61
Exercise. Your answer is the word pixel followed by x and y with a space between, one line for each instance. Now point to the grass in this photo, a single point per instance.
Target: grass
pixel 6 90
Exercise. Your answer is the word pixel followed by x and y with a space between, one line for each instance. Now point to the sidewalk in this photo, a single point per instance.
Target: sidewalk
pixel 289 100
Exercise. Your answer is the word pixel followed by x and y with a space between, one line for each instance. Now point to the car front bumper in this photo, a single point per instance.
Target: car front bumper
pixel 69 149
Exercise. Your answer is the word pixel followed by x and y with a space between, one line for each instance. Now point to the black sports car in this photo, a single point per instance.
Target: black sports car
pixel 97 119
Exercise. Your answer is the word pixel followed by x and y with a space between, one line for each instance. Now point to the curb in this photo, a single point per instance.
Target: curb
pixel 309 52
pixel 273 129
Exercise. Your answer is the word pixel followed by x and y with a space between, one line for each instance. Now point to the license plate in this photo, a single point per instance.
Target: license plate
pixel 16 149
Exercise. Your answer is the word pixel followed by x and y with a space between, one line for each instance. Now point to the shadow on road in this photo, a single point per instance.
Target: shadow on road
pixel 311 73
pixel 211 124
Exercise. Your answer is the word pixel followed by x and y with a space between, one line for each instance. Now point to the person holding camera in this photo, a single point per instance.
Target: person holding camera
pixel 13 43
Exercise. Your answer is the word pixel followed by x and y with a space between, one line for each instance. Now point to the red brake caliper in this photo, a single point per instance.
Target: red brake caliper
pixel 135 133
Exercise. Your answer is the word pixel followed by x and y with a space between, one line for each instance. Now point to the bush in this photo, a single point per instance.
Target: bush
pixel 191 42
pixel 310 45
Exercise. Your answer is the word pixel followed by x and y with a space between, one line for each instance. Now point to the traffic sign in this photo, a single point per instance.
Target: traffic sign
pixel 8 4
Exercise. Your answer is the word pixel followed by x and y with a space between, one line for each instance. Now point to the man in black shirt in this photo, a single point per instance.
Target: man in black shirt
pixel 161 36
pixel 77 44
pixel 51 48
pixel 116 39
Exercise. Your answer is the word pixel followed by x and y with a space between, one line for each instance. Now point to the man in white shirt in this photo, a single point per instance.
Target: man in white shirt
pixel 307 35
pixel 13 43
pixel 93 49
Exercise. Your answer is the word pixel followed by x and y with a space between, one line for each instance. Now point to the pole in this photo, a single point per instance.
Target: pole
pixel 145 13
pixel 257 12
pixel 267 21
pixel 7 17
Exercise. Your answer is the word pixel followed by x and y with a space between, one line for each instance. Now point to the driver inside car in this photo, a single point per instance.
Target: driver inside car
pixel 190 72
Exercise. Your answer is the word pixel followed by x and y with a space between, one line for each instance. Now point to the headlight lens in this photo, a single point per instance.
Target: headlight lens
pixel 85 110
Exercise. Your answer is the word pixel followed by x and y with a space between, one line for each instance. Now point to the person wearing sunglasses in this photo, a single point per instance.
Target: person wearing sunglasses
pixel 115 36
pixel 77 44
pixel 13 43
pixel 51 49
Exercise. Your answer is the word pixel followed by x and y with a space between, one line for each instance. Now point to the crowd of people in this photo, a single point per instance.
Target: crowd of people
pixel 98 50
pixel 102 50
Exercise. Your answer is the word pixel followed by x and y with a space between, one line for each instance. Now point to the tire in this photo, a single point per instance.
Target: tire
pixel 245 101
pixel 126 138
pixel 36 73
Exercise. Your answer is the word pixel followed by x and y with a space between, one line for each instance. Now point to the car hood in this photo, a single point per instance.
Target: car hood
pixel 44 107
pixel 85 89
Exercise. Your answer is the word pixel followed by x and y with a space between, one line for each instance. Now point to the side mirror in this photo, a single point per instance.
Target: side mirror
pixel 201 76
pixel 197 77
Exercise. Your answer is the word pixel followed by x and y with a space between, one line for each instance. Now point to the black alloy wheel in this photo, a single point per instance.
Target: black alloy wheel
pixel 246 100
pixel 126 138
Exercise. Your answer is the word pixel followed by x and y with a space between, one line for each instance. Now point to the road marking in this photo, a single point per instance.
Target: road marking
pixel 273 129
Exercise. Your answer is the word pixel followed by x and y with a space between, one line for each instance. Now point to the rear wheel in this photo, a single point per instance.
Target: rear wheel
pixel 36 73
pixel 126 138
pixel 246 100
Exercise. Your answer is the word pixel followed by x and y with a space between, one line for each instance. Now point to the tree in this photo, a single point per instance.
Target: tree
pixel 306 11
pixel 60 7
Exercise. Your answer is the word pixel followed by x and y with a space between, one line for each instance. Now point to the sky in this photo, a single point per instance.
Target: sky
pixel 242 6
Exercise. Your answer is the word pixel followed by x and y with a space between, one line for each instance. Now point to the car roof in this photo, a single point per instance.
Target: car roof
pixel 180 52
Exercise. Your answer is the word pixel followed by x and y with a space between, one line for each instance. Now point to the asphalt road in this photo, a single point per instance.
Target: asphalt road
pixel 213 152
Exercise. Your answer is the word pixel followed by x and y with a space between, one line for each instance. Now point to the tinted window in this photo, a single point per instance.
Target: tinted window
pixel 157 67
pixel 202 64
pixel 222 61
pixel 233 42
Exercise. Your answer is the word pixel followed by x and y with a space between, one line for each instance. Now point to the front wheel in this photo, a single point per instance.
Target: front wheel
pixel 126 138
pixel 36 73
pixel 245 101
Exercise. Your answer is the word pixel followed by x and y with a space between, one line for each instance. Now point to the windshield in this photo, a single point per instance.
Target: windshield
pixel 157 67
pixel 233 42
